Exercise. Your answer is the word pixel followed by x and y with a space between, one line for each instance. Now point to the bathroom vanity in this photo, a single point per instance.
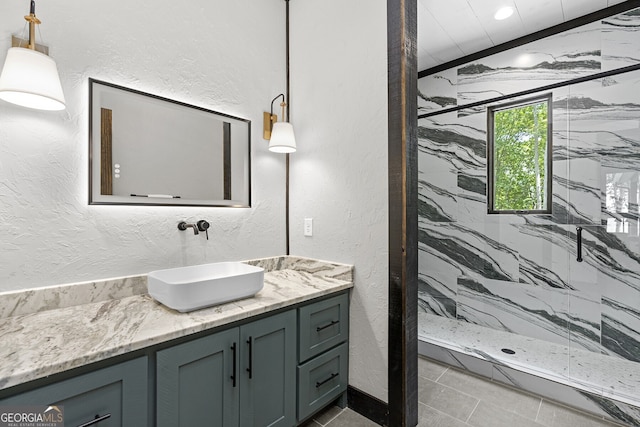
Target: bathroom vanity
pixel 274 359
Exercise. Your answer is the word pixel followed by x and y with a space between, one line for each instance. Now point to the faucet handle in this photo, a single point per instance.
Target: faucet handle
pixel 204 226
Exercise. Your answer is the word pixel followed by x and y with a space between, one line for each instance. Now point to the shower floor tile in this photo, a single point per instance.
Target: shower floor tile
pixel 599 374
pixel 497 405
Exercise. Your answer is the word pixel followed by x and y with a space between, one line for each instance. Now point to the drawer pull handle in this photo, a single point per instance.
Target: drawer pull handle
pixel 95 421
pixel 320 383
pixel 328 325
pixel 250 368
pixel 233 351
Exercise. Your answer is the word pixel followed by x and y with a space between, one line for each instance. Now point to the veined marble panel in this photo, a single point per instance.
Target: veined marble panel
pixel 585 321
pixel 471 195
pixel 469 250
pixel 431 300
pixel 616 260
pixel 560 123
pixel 627 414
pixel 621 328
pixel 462 146
pixel 514 307
pixel 565 56
pixel 437 198
pixel 583 188
pixel 437 306
pixel 584 275
pixel 621 40
pixel 435 204
pixel 623 78
pixel 437 91
pixel 436 283
pixel 543 255
pixel 604 122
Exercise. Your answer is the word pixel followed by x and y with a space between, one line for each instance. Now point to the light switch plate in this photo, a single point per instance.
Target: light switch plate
pixel 308 226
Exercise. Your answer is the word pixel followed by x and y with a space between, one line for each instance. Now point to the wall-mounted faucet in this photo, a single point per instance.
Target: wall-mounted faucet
pixel 201 225
pixel 182 226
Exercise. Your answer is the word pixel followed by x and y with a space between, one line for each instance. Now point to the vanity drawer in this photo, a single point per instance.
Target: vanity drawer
pixel 322 380
pixel 323 325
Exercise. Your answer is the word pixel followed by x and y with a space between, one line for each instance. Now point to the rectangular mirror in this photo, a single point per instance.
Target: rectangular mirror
pixel 149 150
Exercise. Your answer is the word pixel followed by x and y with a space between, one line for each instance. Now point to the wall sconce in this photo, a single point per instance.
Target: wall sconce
pixel 30 78
pixel 279 134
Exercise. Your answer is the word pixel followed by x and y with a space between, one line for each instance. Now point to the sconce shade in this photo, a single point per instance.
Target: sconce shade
pixel 30 79
pixel 282 138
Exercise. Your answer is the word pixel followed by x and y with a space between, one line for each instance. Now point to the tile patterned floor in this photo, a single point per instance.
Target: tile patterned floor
pixel 449 397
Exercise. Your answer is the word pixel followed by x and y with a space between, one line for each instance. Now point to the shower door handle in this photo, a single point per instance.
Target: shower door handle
pixel 579 242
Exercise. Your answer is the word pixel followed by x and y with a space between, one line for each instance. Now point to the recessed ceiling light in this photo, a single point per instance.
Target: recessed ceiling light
pixel 503 13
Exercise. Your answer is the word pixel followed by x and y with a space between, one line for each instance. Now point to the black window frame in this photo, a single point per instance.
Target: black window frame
pixel 548 184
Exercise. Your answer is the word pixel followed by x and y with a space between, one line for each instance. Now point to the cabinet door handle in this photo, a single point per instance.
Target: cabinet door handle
pixel 320 383
pixel 250 368
pixel 579 243
pixel 233 350
pixel 95 421
pixel 328 325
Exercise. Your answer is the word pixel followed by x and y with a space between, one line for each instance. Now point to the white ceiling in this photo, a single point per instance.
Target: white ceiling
pixel 451 29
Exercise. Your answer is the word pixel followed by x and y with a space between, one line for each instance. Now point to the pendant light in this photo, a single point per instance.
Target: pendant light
pixel 30 78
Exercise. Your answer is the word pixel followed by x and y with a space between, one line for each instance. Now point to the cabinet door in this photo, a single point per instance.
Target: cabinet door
pixel 196 385
pixel 117 394
pixel 268 389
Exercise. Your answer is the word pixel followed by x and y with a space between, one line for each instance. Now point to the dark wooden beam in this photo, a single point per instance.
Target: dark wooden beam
pixel 403 212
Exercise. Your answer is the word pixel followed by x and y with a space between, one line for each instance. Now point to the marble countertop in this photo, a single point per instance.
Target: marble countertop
pixel 51 330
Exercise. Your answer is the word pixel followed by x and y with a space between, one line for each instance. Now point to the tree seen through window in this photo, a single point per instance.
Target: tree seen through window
pixel 520 148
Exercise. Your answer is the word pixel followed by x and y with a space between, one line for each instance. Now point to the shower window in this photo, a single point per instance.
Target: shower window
pixel 519 156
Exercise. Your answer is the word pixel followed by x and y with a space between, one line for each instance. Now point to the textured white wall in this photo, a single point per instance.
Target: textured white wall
pixel 223 55
pixel 339 174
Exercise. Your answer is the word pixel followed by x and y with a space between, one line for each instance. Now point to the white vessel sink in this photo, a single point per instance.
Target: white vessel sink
pixel 198 286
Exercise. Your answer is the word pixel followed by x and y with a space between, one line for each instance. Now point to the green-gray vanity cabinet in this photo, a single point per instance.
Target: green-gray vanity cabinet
pixel 112 396
pixel 257 368
pixel 205 382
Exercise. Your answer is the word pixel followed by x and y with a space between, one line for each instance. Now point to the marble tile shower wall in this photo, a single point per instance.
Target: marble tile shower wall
pixel 605 45
pixel 519 273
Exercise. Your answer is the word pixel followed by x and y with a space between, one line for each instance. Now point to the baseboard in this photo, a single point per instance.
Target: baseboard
pixel 368 406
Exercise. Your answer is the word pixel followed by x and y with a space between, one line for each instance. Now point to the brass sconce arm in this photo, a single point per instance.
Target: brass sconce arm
pixel 270 118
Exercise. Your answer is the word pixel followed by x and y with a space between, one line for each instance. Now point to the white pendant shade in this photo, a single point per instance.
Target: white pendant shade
pixel 30 79
pixel 282 138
